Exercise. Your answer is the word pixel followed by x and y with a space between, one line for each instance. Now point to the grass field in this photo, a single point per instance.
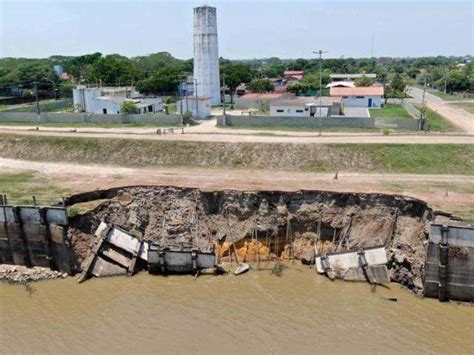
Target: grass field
pixel 390 158
pixel 20 189
pixel 390 111
pixel 468 106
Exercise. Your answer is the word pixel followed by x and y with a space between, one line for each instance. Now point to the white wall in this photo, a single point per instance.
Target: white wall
pixel 293 111
pixel 203 107
pixel 363 101
pixel 111 107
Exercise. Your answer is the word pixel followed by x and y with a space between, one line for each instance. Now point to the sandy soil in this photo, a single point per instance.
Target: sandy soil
pixel 448 192
pixel 463 119
pixel 227 135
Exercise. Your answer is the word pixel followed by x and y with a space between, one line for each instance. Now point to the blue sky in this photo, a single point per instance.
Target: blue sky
pixel 247 29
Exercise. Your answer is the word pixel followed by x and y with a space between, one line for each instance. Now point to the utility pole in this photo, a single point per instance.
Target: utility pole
pixel 446 80
pixel 320 52
pixel 196 96
pixel 38 111
pixel 223 99
pixel 423 108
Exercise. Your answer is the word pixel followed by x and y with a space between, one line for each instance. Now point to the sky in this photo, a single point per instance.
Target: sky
pixel 247 29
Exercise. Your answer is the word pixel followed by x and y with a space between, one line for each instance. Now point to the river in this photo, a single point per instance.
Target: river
pixel 297 312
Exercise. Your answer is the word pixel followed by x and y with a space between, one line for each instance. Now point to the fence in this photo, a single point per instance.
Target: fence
pixel 409 124
pixel 412 110
pixel 303 122
pixel 54 117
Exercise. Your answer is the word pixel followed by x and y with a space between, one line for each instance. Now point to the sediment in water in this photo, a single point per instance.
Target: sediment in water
pixel 285 224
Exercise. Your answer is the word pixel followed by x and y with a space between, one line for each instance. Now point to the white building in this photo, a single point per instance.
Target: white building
pixel 306 107
pixel 107 100
pixel 199 106
pixel 371 96
pixel 206 58
pixel 112 104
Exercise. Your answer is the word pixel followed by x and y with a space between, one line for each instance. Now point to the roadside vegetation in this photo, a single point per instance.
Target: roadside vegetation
pixel 395 158
pixel 438 123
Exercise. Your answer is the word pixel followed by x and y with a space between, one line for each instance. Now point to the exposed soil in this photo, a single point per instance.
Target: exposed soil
pixel 287 224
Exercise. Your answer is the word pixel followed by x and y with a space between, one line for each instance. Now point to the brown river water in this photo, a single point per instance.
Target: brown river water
pixel 298 312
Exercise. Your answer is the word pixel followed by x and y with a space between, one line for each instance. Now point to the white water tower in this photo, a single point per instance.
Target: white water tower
pixel 206 57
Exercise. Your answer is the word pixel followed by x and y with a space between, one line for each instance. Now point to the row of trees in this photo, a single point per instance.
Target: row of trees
pixel 160 73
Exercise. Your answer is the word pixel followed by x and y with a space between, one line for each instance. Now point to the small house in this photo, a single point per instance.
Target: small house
pixel 370 96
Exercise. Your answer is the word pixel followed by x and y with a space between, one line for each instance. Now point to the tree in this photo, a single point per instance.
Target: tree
pixel 114 69
pixel 161 81
pixel 235 74
pixel 298 88
pixel 397 84
pixel 261 85
pixel 396 87
pixel 128 107
pixel 364 81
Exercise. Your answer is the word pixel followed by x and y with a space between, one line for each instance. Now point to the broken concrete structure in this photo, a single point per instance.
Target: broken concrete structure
pixel 267 224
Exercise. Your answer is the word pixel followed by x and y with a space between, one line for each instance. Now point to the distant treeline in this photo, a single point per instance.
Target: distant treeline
pixel 160 73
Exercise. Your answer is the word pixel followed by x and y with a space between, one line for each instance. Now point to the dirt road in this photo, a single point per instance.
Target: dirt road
pixel 228 135
pixel 463 119
pixel 448 192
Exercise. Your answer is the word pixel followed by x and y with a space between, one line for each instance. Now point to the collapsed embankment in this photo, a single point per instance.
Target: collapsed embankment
pixel 392 158
pixel 270 224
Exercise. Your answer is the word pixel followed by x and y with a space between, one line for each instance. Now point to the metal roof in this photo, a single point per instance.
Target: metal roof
pixel 352 76
pixel 358 91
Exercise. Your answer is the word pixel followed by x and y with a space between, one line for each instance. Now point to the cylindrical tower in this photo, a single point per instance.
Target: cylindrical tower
pixel 206 57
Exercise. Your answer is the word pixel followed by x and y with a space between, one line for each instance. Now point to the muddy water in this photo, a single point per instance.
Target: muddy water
pixel 298 312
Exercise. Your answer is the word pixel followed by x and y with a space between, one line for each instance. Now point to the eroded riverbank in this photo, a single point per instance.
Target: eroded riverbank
pixel 259 312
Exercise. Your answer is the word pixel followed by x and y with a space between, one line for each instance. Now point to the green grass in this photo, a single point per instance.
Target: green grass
pixel 418 158
pixel 468 106
pixel 389 158
pixel 390 111
pixel 437 122
pixel 20 189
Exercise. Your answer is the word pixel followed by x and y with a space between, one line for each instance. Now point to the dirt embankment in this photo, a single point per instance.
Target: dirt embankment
pixel 407 158
pixel 268 224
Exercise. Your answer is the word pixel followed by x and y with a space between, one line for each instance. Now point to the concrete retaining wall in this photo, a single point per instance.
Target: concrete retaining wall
pixel 35 236
pixel 87 117
pixel 307 122
pixel 449 268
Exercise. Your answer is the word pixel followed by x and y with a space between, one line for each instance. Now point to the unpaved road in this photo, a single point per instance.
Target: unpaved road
pixel 463 119
pixel 234 137
pixel 447 192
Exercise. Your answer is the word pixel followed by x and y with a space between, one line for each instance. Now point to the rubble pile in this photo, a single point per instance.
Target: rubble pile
pixel 23 274
pixel 264 224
